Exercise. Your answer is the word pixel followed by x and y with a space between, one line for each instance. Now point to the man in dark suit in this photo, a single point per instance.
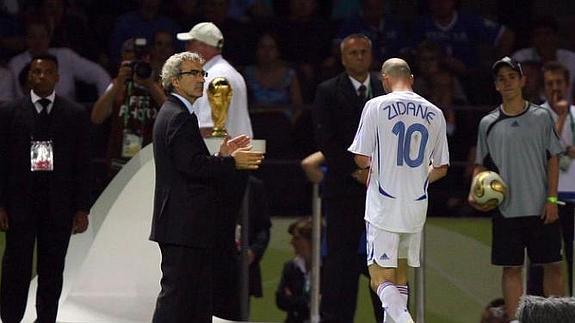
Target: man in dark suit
pixel 44 189
pixel 336 112
pixel 187 199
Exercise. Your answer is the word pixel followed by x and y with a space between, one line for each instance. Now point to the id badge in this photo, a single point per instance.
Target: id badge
pixel 131 144
pixel 41 156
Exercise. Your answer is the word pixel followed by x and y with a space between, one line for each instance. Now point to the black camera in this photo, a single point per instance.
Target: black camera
pixel 140 68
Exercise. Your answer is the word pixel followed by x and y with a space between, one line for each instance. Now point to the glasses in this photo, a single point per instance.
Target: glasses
pixel 195 73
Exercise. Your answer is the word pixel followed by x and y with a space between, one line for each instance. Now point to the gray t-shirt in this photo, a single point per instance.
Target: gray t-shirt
pixel 517 148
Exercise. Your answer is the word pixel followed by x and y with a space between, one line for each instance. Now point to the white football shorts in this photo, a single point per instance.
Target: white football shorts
pixel 385 247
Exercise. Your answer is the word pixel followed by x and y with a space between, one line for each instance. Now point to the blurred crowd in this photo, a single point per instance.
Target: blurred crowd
pixel 284 49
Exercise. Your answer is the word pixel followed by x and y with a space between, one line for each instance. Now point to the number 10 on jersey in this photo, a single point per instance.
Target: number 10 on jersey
pixel 415 132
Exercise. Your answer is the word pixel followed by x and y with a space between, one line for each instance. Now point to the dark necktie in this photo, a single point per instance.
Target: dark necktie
pixel 44 103
pixel 362 92
pixel 43 121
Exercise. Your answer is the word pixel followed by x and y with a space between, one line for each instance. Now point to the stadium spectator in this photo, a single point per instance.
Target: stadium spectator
pixel 336 113
pixel 442 88
pixel 70 30
pixel 131 101
pixel 293 292
pixel 386 31
pixel 305 41
pixel 436 83
pixel 556 84
pixel 240 36
pixel 6 85
pixel 140 23
pixel 71 66
pixel 545 48
pixel 460 35
pixel 271 81
pixel 185 12
pixel 396 203
pixel 533 89
pixel 518 141
pixel 11 34
pixel 162 48
pixel 245 10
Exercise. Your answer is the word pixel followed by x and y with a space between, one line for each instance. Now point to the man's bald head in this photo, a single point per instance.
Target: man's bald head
pixel 396 67
pixel 396 75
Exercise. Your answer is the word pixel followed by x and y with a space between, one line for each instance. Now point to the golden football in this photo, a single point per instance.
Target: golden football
pixel 488 188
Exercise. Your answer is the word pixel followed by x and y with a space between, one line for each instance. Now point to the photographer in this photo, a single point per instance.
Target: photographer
pixel 132 100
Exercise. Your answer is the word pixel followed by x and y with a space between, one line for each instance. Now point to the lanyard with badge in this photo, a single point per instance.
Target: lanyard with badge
pixel 41 152
pixel 41 155
pixel 132 138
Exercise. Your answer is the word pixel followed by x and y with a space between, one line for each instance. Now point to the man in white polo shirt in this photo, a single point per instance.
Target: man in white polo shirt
pixel 207 40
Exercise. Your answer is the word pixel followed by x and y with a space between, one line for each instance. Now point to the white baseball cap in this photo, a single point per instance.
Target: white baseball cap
pixel 206 32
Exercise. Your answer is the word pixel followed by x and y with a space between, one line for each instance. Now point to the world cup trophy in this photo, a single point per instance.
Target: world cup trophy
pixel 219 96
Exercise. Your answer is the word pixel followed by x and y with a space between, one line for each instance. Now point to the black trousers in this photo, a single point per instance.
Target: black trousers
pixel 535 273
pixel 186 285
pixel 343 264
pixel 52 233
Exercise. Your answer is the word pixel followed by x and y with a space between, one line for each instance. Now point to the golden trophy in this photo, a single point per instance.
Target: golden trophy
pixel 219 96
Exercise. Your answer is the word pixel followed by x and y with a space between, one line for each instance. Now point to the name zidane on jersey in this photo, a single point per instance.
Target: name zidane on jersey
pixel 400 108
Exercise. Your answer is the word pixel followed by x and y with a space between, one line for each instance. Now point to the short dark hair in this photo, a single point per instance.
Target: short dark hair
pixel 355 35
pixel 46 57
pixel 556 67
pixel 303 227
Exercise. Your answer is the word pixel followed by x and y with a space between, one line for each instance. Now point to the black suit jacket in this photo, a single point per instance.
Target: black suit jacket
pixel 336 114
pixel 185 200
pixel 69 189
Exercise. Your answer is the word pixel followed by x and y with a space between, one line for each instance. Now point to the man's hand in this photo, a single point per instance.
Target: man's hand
pixel 124 73
pixel 480 207
pixel 361 175
pixel 558 103
pixel 230 145
pixel 80 222
pixel 246 159
pixel 3 219
pixel 571 152
pixel 550 213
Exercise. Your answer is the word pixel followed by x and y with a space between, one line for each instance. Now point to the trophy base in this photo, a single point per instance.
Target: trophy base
pixel 213 144
pixel 219 132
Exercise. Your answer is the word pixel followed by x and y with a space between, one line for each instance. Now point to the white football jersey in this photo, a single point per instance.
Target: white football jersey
pixel 403 134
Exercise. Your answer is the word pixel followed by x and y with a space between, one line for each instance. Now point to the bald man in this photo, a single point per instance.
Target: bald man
pixel 402 140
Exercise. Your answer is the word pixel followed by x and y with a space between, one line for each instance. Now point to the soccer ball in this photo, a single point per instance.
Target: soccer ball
pixel 488 188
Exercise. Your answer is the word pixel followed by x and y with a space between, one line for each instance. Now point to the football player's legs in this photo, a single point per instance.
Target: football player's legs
pixel 383 268
pixel 382 248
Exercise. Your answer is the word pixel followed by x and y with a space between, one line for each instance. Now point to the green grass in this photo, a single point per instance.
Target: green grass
pixel 456 271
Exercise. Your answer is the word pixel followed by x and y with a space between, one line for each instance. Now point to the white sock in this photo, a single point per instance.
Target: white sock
pixel 393 303
pixel 404 291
